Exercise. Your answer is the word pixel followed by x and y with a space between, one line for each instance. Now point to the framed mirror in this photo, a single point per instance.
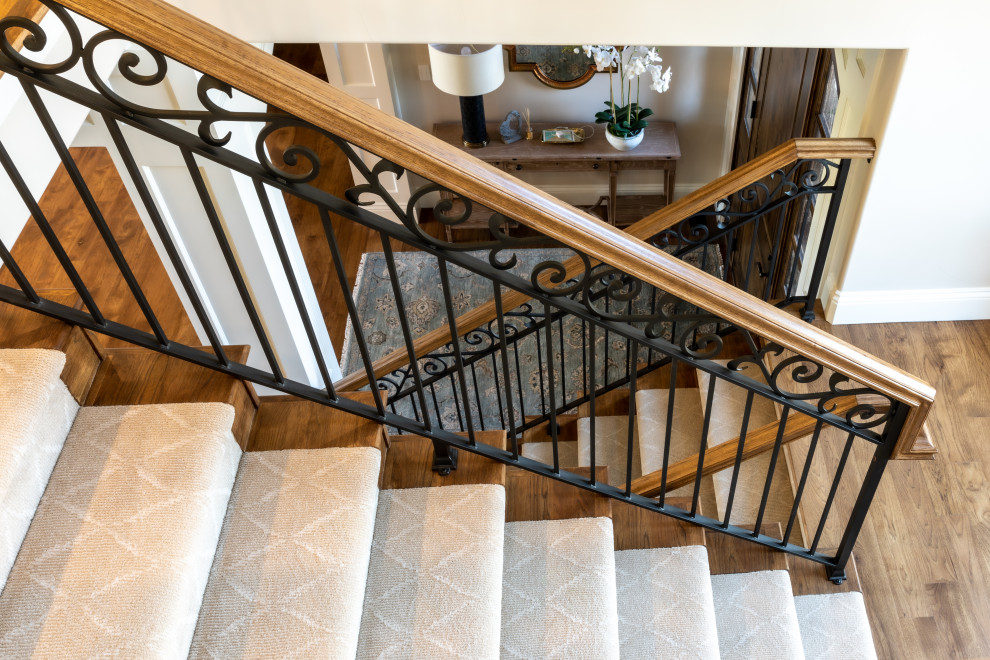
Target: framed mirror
pixel 556 66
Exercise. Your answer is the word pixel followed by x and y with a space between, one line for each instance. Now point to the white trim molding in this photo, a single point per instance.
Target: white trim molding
pixel 906 306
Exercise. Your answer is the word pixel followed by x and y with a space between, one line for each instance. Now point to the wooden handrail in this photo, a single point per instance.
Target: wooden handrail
pixel 745 175
pixel 723 456
pixel 249 69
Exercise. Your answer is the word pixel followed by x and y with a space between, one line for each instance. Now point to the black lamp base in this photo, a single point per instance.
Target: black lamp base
pixel 473 121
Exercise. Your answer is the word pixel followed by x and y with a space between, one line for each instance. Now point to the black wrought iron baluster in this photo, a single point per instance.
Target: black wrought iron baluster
pixel 46 230
pixel 436 404
pixel 297 296
pixel 778 443
pixel 345 292
pixel 775 255
pixel 730 256
pixel 498 392
pixel 703 445
pixel 804 480
pixel 477 396
pixel 455 340
pixel 631 429
pixel 554 428
pixel 458 406
pixel 752 254
pixel 500 319
pixel 18 274
pixel 592 419
pixel 881 456
pixel 400 310
pixel 151 207
pixel 232 266
pixel 828 229
pixel 831 493
pixel 539 370
pixel 671 393
pixel 563 367
pixel 79 182
pixel 739 456
pixel 519 382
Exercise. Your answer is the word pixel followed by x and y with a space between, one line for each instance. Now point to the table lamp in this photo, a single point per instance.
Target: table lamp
pixel 468 71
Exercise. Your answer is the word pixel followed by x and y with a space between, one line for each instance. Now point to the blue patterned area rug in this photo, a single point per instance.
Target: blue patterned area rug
pixel 422 295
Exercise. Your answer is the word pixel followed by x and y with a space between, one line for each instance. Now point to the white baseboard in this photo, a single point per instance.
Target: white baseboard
pixel 912 305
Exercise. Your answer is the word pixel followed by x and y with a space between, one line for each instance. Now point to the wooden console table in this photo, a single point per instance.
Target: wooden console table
pixel 659 150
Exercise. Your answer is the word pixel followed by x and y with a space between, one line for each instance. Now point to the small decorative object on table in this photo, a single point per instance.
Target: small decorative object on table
pixel 626 120
pixel 511 128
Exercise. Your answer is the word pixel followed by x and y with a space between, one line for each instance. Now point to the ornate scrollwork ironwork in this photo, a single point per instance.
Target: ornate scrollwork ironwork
pixel 805 371
pixel 37 40
pixel 803 178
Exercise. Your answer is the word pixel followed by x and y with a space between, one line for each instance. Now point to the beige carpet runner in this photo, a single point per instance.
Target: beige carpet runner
pixel 558 590
pixel 144 545
pixel 291 567
pixel 36 411
pixel 118 554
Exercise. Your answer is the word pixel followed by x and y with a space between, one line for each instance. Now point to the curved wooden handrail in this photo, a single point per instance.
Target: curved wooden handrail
pixel 745 175
pixel 208 49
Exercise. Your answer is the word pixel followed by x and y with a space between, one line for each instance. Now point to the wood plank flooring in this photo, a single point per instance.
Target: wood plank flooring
pixel 924 553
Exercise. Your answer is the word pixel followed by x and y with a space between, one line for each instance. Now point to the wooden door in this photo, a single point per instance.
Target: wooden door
pixel 776 95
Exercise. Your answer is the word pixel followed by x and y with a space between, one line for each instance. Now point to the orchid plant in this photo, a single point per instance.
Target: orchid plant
pixel 627 118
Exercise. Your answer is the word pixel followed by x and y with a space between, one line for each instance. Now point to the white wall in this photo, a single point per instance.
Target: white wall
pixel 696 102
pixel 929 112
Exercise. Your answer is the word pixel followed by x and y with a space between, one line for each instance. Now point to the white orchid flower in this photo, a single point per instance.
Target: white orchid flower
pixel 661 79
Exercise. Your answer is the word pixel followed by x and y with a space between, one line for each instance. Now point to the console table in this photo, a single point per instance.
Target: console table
pixel 658 151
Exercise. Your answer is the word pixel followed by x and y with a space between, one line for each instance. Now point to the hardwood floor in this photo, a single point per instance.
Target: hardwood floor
pixel 924 554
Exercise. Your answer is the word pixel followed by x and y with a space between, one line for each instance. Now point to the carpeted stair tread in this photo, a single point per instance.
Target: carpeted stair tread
pixel 685 433
pixel 567 452
pixel 435 576
pixel 558 590
pixel 292 563
pixel 726 423
pixel 611 446
pixel 666 609
pixel 36 411
pixel 835 627
pixel 117 558
pixel 755 616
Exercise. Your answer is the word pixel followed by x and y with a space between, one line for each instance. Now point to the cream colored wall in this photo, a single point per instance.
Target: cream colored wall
pixel 925 186
pixel 696 101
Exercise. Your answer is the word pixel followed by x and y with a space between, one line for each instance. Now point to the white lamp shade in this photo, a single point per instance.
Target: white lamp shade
pixel 467 69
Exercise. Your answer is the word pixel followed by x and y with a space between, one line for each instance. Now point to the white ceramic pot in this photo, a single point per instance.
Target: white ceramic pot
pixel 627 143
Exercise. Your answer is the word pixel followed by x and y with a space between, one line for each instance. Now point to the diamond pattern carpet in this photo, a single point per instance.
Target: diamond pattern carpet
pixel 117 559
pixel 558 590
pixel 36 411
pixel 667 608
pixel 435 576
pixel 292 564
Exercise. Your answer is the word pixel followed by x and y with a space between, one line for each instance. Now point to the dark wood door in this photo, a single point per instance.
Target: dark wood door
pixel 777 95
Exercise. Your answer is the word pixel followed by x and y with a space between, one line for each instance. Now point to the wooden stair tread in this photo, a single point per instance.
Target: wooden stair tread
pixel 22 328
pixel 288 422
pixel 637 528
pixel 727 554
pixel 135 376
pixel 410 458
pixel 531 496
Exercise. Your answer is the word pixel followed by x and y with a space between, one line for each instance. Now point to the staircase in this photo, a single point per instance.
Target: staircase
pixel 156 536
